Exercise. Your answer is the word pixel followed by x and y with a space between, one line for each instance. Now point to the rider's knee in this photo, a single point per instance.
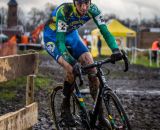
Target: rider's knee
pixel 86 58
pixel 92 75
pixel 93 81
pixel 69 77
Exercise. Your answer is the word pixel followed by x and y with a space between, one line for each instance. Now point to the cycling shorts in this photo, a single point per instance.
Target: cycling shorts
pixel 73 42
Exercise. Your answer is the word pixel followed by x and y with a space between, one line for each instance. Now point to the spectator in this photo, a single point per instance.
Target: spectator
pixel 155 48
pixel 99 45
pixel 87 43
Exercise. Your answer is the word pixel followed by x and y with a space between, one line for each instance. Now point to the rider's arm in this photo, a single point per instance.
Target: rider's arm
pixel 100 22
pixel 61 36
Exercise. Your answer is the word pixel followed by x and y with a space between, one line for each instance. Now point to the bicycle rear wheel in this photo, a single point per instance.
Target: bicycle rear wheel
pixel 116 113
pixel 56 101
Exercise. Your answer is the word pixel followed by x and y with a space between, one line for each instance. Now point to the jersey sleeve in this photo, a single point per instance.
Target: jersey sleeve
pixel 61 29
pixel 101 24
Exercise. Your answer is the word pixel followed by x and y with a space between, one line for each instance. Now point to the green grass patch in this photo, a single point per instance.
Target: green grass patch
pixel 7 95
pixel 12 84
pixel 143 60
pixel 42 81
pixel 8 89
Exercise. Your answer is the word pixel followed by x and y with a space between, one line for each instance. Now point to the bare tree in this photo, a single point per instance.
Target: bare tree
pixel 21 17
pixel 49 7
pixel 37 17
pixel 3 15
pixel 156 21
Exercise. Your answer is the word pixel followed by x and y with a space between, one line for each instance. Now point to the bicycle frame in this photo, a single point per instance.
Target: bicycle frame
pixel 98 100
pixel 95 111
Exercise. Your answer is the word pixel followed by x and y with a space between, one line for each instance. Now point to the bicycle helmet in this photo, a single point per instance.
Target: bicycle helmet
pixel 81 1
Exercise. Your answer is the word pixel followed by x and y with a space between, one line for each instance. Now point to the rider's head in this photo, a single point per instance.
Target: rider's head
pixel 82 6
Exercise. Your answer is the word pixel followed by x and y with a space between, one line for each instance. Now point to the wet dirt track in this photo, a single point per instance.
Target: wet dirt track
pixel 138 89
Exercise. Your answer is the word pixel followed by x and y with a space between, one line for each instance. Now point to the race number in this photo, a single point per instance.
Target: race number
pixel 62 26
pixel 100 19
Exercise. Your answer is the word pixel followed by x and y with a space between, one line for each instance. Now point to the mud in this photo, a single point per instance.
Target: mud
pixel 138 89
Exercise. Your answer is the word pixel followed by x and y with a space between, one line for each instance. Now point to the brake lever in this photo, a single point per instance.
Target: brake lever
pixel 126 61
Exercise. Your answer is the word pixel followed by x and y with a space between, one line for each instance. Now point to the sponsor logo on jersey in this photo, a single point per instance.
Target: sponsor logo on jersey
pixel 100 19
pixel 62 26
pixel 50 46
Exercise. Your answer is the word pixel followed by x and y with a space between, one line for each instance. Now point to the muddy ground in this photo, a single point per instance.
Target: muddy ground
pixel 138 89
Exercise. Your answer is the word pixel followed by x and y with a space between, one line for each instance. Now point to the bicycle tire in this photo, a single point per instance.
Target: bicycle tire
pixel 52 103
pixel 112 100
pixel 55 109
pixel 82 112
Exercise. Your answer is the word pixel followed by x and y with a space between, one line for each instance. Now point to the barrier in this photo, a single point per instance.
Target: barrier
pixel 12 67
pixel 135 50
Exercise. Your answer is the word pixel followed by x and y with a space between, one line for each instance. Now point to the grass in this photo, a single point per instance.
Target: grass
pixel 8 89
pixel 7 95
pixel 144 61
pixel 42 81
pixel 13 84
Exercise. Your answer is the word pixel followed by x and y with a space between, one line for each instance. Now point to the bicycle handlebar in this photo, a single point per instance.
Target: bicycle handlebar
pixel 101 62
pixel 108 60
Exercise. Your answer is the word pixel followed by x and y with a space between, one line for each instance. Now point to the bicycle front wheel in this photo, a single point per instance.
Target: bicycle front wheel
pixel 116 113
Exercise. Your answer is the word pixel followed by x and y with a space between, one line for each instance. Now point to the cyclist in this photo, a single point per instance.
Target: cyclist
pixel 61 32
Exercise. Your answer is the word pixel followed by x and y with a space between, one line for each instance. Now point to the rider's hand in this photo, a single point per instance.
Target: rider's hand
pixel 116 55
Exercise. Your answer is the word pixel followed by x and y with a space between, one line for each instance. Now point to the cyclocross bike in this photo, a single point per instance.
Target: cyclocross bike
pixel 87 119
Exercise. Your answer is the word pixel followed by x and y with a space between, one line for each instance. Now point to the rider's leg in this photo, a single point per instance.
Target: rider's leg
pixel 50 46
pixel 69 78
pixel 85 59
pixel 67 91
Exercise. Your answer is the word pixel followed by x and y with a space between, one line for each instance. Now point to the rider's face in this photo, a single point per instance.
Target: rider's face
pixel 82 8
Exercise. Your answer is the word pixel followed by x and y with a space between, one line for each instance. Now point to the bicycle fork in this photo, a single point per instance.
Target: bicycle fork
pixel 106 99
pixel 83 112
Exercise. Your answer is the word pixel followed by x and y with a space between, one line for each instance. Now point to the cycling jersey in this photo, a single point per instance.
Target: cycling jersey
pixel 65 19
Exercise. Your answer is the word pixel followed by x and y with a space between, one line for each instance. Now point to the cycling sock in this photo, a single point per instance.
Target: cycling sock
pixel 101 113
pixel 68 89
